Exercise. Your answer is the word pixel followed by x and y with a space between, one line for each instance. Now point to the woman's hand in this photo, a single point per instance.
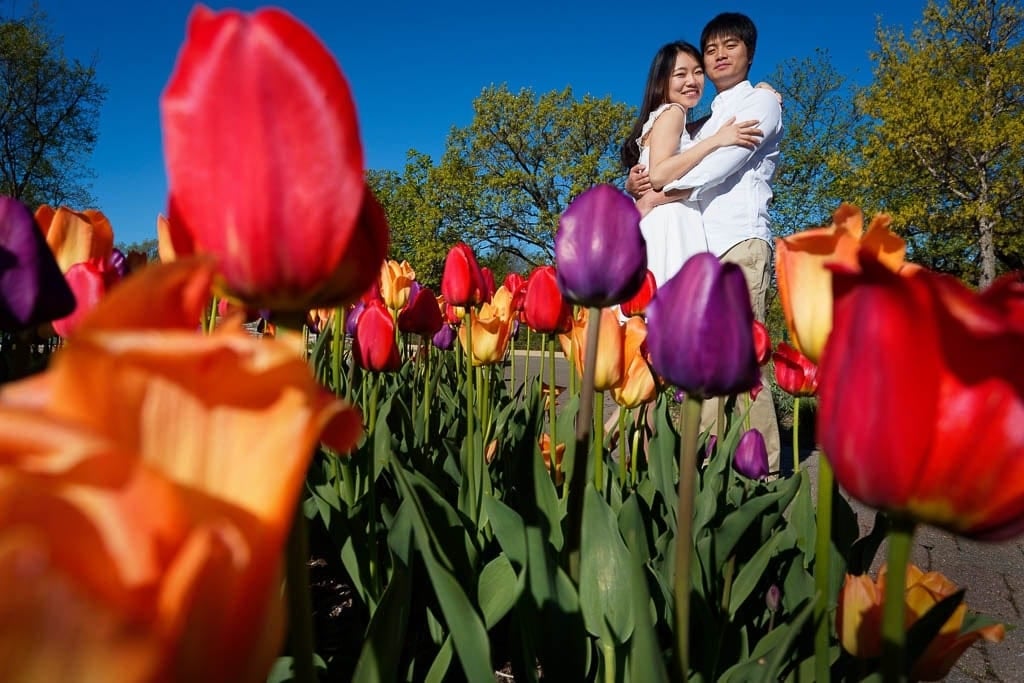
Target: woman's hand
pixel 766 86
pixel 744 134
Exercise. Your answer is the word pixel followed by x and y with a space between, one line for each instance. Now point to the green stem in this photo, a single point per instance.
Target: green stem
pixel 609 661
pixel 796 434
pixel 822 570
pixel 584 420
pixel 901 536
pixel 720 427
pixel 300 611
pixel 338 331
pixel 623 448
pixel 635 451
pixel 467 321
pixel 597 443
pixel 689 432
pixel 211 319
pixel 552 409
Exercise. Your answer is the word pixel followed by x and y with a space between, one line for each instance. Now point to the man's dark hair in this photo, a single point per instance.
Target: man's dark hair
pixel 730 24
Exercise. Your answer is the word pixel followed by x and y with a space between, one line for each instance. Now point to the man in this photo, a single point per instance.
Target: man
pixel 731 185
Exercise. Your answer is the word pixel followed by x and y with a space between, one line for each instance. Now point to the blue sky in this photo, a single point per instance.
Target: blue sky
pixel 415 67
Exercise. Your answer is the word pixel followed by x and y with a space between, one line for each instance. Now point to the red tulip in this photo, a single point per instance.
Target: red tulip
pixel 638 304
pixel 762 343
pixel 515 284
pixel 921 398
pixel 463 282
pixel 488 279
pixel 422 315
pixel 374 346
pixel 544 308
pixel 796 374
pixel 88 284
pixel 264 162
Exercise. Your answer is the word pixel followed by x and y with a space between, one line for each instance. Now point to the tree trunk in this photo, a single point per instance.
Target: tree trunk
pixel 987 252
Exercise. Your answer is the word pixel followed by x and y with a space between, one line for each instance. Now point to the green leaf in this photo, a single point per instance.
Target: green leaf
pixel 750 575
pixel 497 590
pixel 508 528
pixel 737 522
pixel 605 573
pixel 377 659
pixel 646 661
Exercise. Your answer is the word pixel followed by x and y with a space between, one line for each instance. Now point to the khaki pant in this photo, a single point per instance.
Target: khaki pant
pixel 754 257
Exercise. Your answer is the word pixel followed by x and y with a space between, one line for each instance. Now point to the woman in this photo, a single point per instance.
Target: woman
pixel 660 141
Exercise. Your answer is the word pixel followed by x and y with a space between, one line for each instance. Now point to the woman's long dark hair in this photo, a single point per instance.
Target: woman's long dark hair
pixel 662 65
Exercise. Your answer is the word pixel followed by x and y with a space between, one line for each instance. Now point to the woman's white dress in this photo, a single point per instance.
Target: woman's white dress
pixel 674 232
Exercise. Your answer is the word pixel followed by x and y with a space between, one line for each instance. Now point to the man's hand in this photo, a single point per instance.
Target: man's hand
pixel 638 183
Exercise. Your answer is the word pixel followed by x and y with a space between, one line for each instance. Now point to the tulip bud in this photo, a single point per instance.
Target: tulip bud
pixel 773 597
pixel 463 282
pixel 600 253
pixel 751 456
pixel 700 329
pixel 544 308
pixel 762 343
pixel 374 346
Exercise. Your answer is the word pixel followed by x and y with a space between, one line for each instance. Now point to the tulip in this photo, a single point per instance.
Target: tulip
pixel 700 329
pixel 762 343
pixel 319 319
pixel 515 283
pixel 76 236
pixel 264 163
pixel 32 289
pixel 545 451
pixel 751 456
pixel 444 339
pixel 638 304
pixel 488 280
pixel 352 319
pixel 545 310
pixel 858 620
pixel 637 386
pixel 608 369
pixel 805 284
pixel 939 440
pixel 462 283
pixel 86 280
pixel 149 478
pixel 422 315
pixel 491 329
pixel 600 253
pixel 794 372
pixel 395 283
pixel 374 347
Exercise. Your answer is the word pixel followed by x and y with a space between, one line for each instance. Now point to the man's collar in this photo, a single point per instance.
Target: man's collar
pixel 738 90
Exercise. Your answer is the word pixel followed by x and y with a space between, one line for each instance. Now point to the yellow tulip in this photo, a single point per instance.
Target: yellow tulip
pixel 608 370
pixel 491 329
pixel 858 620
pixel 149 478
pixel 805 284
pixel 76 236
pixel 395 282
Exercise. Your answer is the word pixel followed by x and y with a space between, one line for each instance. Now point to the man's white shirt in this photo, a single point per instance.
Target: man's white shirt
pixel 731 186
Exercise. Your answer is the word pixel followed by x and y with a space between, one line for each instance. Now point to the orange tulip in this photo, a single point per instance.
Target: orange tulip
pixel 76 236
pixel 149 478
pixel 858 620
pixel 492 329
pixel 637 386
pixel 805 284
pixel 608 370
pixel 545 452
pixel 395 281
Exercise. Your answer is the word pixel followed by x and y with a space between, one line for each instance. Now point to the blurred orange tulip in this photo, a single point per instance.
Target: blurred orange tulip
pixel 76 236
pixel 545 452
pixel 858 620
pixel 805 284
pixel 148 480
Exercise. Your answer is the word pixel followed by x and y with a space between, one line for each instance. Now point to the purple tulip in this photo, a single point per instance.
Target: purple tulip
pixel 751 456
pixel 353 318
pixel 32 288
pixel 445 337
pixel 773 597
pixel 709 447
pixel 700 329
pixel 118 262
pixel 600 255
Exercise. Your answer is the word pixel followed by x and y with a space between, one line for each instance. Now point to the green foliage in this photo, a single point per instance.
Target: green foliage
pixel 49 110
pixel 943 151
pixel 149 247
pixel 504 179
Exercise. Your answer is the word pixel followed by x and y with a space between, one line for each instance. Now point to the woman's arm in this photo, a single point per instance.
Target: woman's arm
pixel 667 163
pixel 654 198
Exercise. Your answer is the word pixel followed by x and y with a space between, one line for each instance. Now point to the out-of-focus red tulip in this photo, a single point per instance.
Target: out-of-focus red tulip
pixel 463 282
pixel 762 343
pixel 88 285
pixel 795 372
pixel 545 310
pixel 264 161
pixel 638 304
pixel 374 346
pixel 921 398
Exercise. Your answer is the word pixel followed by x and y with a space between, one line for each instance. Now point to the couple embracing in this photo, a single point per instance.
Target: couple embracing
pixel 704 185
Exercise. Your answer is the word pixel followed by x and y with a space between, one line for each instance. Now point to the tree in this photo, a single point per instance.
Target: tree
pixel 819 118
pixel 509 174
pixel 49 110
pixel 943 151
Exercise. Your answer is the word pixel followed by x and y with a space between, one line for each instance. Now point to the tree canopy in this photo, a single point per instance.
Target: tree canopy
pixel 49 113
